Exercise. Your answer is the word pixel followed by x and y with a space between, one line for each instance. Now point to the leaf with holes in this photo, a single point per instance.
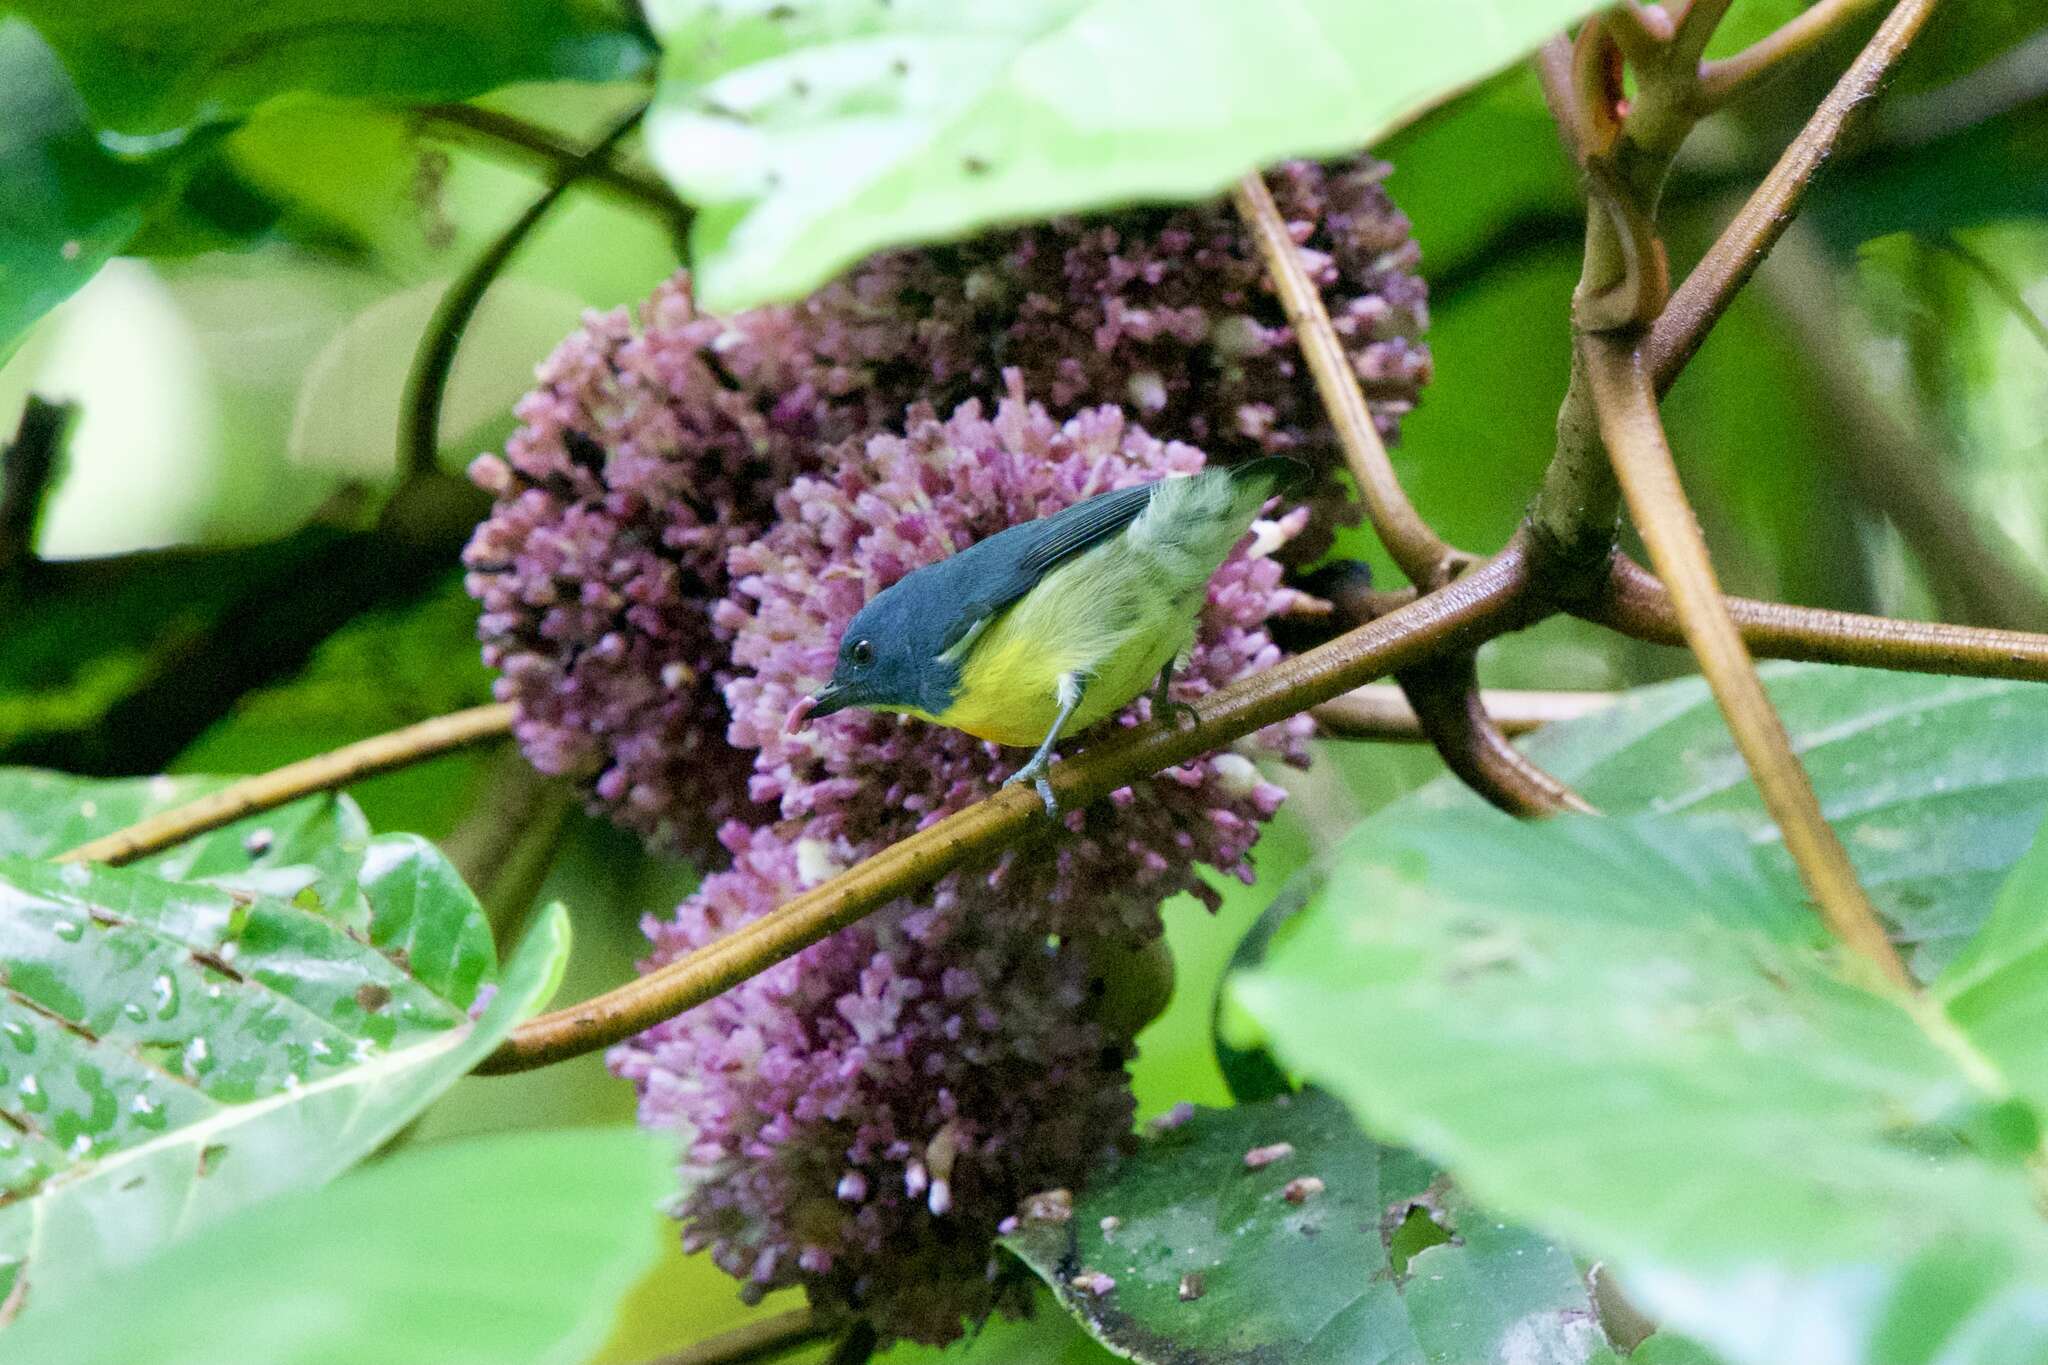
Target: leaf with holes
pixel 1628 1032
pixel 812 132
pixel 508 1250
pixel 1275 1231
pixel 148 68
pixel 170 1051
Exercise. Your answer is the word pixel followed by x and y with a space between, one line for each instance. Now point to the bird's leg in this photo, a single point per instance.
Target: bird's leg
pixel 1070 686
pixel 1164 707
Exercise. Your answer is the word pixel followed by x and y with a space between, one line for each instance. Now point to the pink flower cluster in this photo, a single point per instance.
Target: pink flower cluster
pixel 689 514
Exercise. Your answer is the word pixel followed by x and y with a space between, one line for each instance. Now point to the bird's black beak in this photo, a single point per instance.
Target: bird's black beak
pixel 833 696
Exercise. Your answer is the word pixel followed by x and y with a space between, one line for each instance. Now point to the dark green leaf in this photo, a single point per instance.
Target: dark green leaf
pixel 176 1050
pixel 70 204
pixel 509 1250
pixel 814 132
pixel 1214 1260
pixel 149 67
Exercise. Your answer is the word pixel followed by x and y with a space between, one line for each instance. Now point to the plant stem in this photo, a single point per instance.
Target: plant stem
pixel 1485 602
pixel 1720 80
pixel 426 385
pixel 1627 404
pixel 1741 247
pixel 548 148
pixel 1381 711
pixel 28 465
pixel 506 841
pixel 1633 602
pixel 757 1342
pixel 1445 696
pixel 1419 551
pixel 267 791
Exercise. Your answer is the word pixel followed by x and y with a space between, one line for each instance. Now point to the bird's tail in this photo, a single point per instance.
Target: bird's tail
pixel 1191 524
pixel 1279 474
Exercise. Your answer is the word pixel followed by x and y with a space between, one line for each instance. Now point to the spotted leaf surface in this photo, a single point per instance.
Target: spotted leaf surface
pixel 1277 1232
pixel 173 1050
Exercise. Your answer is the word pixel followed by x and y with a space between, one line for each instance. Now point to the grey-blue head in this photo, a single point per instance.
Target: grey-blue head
pixel 890 655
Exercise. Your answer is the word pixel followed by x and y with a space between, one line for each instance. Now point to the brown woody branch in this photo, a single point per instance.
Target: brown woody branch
pixel 757 1342
pixel 1741 247
pixel 351 763
pixel 1485 602
pixel 1381 711
pixel 1721 80
pixel 1627 405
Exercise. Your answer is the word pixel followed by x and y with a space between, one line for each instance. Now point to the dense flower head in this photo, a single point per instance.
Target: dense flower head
pixel 862 1116
pixel 1164 311
pixel 642 458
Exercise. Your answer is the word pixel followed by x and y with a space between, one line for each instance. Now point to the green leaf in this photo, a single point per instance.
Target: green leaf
pixel 171 1051
pixel 812 133
pixel 1628 1033
pixel 43 814
pixel 1213 1262
pixel 149 68
pixel 71 204
pixel 1936 785
pixel 509 1250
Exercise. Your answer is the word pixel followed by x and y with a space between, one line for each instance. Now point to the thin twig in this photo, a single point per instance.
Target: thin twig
pixel 426 385
pixel 28 466
pixel 549 148
pixel 756 1343
pixel 1445 696
pixel 1627 404
pixel 1697 303
pixel 1478 605
pixel 1720 80
pixel 1631 600
pixel 1381 711
pixel 350 763
pixel 1419 551
pixel 2000 285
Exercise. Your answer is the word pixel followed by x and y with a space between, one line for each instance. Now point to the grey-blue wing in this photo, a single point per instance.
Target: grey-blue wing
pixel 995 572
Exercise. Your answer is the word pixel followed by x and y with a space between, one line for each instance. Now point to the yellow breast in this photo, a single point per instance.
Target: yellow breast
pixel 1091 616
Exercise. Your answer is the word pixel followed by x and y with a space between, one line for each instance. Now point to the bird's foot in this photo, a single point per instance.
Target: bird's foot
pixel 1034 773
pixel 1175 713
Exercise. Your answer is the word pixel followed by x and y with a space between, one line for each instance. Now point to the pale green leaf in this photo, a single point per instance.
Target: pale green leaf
pixel 813 132
pixel 510 1250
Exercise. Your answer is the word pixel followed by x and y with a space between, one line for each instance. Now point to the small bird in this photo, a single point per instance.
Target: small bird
pixel 1047 627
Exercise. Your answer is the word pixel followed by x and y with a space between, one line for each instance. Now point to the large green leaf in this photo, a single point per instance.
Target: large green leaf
pixel 176 1050
pixel 43 814
pixel 1631 1034
pixel 69 203
pixel 814 131
pixel 149 67
pixel 1935 784
pixel 508 1250
pixel 1218 1259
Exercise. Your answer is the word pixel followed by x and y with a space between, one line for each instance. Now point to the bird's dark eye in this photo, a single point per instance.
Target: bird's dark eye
pixel 862 653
